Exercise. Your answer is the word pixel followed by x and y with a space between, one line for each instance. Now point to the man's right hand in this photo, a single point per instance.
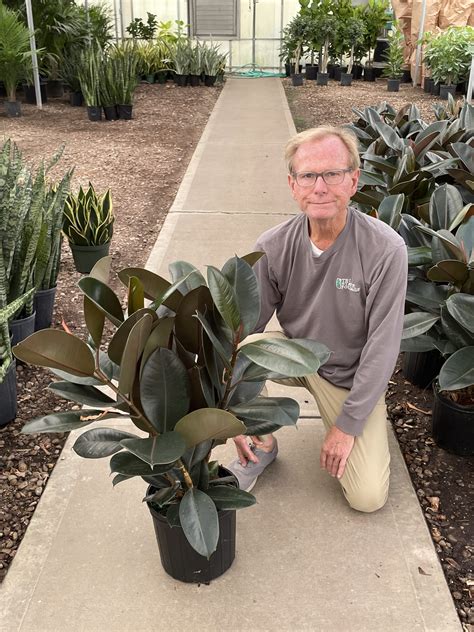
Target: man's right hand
pixel 244 451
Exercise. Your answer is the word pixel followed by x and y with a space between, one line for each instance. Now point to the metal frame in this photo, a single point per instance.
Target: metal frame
pixel 192 21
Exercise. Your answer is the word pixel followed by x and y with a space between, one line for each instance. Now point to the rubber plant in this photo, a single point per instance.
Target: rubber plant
pixel 186 376
pixel 440 293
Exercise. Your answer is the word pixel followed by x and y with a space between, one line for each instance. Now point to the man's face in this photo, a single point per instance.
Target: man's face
pixel 323 201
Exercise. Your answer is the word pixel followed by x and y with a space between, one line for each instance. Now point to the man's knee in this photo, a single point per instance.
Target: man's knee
pixel 367 500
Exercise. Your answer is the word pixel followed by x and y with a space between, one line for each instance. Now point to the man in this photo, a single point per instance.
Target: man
pixel 338 276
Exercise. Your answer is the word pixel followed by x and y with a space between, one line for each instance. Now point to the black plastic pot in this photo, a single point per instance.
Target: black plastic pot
pixel 330 70
pixel 110 113
pixel 311 72
pixel 8 394
pixel 290 69
pixel 209 80
pixel 125 112
pixel 161 76
pixel 338 70
pixel 150 78
pixel 76 99
pixel 85 257
pixel 381 47
pixel 393 85
pixel 194 80
pixel 297 80
pixel 94 113
pixel 182 562
pixel 181 80
pixel 421 368
pixel 13 109
pixel 30 93
pixel 453 425
pixel 55 88
pixel 406 76
pixel 435 88
pixel 444 90
pixel 369 73
pixel 357 70
pixel 322 78
pixel 43 306
pixel 346 79
pixel 21 328
pixel 427 81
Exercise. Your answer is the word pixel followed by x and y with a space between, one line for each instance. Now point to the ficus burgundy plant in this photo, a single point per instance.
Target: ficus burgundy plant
pixel 181 368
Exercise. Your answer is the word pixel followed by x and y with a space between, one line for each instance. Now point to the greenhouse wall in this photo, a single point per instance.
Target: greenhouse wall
pixel 258 33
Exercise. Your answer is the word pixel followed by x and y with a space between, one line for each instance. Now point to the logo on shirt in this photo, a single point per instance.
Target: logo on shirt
pixel 346 284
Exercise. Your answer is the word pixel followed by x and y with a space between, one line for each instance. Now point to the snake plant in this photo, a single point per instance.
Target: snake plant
pixel 88 218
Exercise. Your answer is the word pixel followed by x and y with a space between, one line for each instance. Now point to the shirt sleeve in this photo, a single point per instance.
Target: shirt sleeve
pixel 270 296
pixel 384 319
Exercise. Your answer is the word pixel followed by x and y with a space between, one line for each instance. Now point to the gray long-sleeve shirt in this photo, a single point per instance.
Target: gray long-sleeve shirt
pixel 351 298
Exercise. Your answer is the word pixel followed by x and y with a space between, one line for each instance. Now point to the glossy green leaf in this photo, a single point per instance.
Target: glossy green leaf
pixel 252 257
pixel 419 255
pixel 464 214
pixel 259 413
pixel 172 515
pixel 83 394
pixel 456 333
pixel 390 210
pixel 199 521
pixel 466 153
pixel 417 323
pixel 208 423
pixel 162 496
pixel 164 389
pixel 381 163
pixel 56 349
pixel 449 271
pixel 180 269
pixel 243 281
pixel 216 343
pixel 227 497
pixel 197 453
pixel 445 204
pixel 177 286
pixel 449 240
pixel 166 448
pixel 188 329
pixel 465 235
pixel 286 357
pixel 418 344
pixel 153 285
pixel 120 337
pixel 458 370
pixel 95 320
pixel 133 350
pixel 461 308
pixel 130 465
pixel 100 442
pixel 159 337
pixel 101 269
pixel 103 298
pixel 136 295
pixel 224 297
pixel 120 478
pixel 426 295
pixel 64 422
pixel 371 178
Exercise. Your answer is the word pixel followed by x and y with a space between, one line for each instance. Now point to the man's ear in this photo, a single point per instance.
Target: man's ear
pixel 355 180
pixel 291 184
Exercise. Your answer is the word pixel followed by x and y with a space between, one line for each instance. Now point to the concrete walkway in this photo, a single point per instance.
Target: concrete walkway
pixel 89 561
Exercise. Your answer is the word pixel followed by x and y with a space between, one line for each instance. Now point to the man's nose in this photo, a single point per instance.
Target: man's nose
pixel 319 185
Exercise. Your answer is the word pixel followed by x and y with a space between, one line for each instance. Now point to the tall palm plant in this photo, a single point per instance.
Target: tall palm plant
pixel 15 54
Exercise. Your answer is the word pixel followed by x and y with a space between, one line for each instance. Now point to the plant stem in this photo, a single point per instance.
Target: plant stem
pixel 229 372
pixel 187 477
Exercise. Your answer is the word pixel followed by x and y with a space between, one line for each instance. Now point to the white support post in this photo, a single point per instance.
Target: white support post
pixel 34 57
pixel 421 32
pixel 470 85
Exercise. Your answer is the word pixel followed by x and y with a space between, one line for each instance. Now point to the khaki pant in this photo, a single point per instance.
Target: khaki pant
pixel 366 478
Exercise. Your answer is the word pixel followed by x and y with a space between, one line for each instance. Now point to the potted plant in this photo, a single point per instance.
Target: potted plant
pixel 15 56
pixel 449 56
pixel 196 67
pixel 149 60
pixel 107 89
pixel 299 30
pixel 70 76
pixel 88 222
pixel 124 60
pixel 181 58
pixel 212 62
pixel 441 299
pixel 375 17
pixel 189 380
pixel 327 29
pixel 353 33
pixel 394 60
pixel 89 77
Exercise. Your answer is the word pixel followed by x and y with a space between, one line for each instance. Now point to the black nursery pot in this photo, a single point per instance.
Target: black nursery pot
pixel 181 561
pixel 8 396
pixel 421 367
pixel 30 93
pixel 393 85
pixel 194 80
pixel 346 79
pixel 338 71
pixel 435 88
pixel 369 74
pixel 76 99
pixel 21 328
pixel 323 78
pixel 453 425
pixel 43 305
pixel 444 90
pixel 297 80
pixel 209 80
pixel 125 112
pixel 311 72
pixel 427 81
pixel 55 88
pixel 181 80
pixel 110 112
pixel 94 113
pixel 357 71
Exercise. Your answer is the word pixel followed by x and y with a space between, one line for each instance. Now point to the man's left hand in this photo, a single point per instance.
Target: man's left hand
pixel 335 451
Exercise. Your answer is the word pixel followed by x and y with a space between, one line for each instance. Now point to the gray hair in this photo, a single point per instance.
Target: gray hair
pixel 318 133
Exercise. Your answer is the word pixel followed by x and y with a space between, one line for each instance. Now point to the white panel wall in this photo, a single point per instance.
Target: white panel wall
pixel 268 25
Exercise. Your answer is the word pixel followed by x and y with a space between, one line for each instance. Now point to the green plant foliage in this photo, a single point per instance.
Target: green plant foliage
pixel 88 218
pixel 182 378
pixel 448 55
pixel 394 55
pixel 139 29
pixel 374 14
pixel 15 55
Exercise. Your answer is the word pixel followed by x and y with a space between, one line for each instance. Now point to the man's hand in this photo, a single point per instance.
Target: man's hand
pixel 244 451
pixel 335 451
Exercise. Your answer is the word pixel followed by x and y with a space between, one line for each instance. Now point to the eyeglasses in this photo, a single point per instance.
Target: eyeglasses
pixel 309 178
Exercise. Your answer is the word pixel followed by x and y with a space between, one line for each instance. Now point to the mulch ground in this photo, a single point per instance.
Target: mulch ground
pixel 142 162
